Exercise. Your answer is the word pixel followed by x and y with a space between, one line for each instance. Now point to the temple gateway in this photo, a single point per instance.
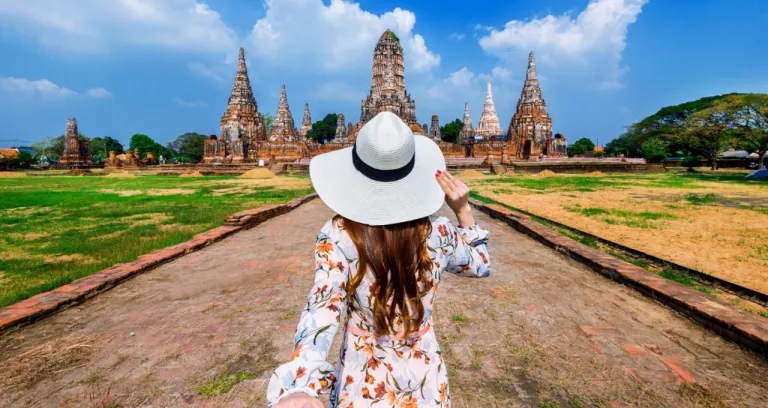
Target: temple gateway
pixel 243 136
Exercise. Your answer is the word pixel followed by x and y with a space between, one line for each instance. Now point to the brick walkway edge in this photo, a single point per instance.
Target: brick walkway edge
pixel 745 329
pixel 50 302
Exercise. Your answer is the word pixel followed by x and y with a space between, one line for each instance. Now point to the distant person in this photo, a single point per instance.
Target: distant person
pixel 378 265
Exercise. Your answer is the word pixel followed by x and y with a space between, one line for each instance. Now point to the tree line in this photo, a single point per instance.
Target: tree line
pixel 699 129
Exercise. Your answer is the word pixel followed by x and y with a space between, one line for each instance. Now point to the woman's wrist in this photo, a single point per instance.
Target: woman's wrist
pixel 465 217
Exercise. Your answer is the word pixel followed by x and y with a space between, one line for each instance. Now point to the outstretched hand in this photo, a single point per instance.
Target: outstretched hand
pixel 299 400
pixel 457 197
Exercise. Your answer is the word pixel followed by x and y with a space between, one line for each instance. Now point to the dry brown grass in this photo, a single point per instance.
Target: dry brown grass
pixel 193 174
pixel 257 174
pixel 55 356
pixel 121 174
pixel 546 173
pixel 8 174
pixel 470 174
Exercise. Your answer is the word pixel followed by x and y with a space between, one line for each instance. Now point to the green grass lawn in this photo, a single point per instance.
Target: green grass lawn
pixel 54 230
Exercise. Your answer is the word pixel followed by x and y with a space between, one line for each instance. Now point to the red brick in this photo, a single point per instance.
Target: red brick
pixel 676 365
pixel 633 349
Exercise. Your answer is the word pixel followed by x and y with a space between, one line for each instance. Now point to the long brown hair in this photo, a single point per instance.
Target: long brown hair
pixel 396 256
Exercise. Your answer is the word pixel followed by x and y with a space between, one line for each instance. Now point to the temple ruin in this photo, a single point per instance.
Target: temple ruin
pixel 489 121
pixel 306 123
pixel 283 128
pixel 530 130
pixel 434 129
pixel 76 152
pixel 388 91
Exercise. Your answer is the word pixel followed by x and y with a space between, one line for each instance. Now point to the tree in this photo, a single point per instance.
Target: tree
pixel 324 130
pixel 146 144
pixel 113 145
pixel 580 147
pixel 451 130
pixel 751 122
pixel 707 131
pixel 268 118
pixel 655 150
pixel 190 146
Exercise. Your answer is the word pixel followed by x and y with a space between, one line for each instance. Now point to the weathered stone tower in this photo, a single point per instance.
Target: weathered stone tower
pixel 306 122
pixel 76 151
pixel 467 135
pixel 434 129
pixel 341 129
pixel 489 121
pixel 241 119
pixel 531 126
pixel 388 91
pixel 283 128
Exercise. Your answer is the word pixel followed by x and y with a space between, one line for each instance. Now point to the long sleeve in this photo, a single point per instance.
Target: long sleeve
pixel 309 370
pixel 470 255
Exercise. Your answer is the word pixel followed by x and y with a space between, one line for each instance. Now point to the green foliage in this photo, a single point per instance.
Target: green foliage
pixel 324 130
pixel 701 199
pixel 190 146
pixel 580 147
pixel 222 383
pixel 655 150
pixel 146 144
pixel 268 118
pixel 691 161
pixel 450 131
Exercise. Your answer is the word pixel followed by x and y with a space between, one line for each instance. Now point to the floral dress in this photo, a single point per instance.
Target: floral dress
pixel 374 371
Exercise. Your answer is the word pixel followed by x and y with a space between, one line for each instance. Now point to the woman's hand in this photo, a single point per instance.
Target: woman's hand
pixel 457 197
pixel 299 400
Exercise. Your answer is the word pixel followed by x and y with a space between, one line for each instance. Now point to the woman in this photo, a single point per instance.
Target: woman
pixel 379 263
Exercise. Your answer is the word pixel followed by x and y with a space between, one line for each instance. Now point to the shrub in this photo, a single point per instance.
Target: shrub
pixel 655 150
pixel 691 161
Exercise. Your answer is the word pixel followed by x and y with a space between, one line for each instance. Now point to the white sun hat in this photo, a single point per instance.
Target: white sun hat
pixel 387 177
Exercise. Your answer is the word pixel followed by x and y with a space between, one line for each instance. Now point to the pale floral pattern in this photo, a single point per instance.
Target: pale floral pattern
pixel 374 371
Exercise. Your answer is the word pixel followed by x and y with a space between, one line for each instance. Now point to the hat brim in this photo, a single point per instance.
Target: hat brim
pixel 354 196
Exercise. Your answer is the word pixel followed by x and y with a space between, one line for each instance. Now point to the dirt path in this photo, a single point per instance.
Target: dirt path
pixel 541 331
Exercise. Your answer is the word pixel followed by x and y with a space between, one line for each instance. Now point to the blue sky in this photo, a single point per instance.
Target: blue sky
pixel 165 67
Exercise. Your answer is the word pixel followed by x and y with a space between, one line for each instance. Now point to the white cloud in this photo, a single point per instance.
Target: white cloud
pixel 206 71
pixel 462 77
pixel 96 26
pixel 593 41
pixel 480 27
pixel 337 91
pixel 38 88
pixel 457 36
pixel 497 73
pixel 189 104
pixel 99 93
pixel 339 35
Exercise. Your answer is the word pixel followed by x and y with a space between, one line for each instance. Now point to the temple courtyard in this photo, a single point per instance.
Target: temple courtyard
pixel 206 329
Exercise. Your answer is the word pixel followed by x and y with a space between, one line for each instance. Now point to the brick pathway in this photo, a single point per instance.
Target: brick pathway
pixel 541 331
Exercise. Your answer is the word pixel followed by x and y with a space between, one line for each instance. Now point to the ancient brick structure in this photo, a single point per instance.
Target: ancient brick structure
pixel 283 128
pixel 306 123
pixel 388 91
pixel 467 135
pixel 350 126
pixel 557 146
pixel 76 151
pixel 531 126
pixel 434 129
pixel 241 122
pixel 489 122
pixel 341 129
